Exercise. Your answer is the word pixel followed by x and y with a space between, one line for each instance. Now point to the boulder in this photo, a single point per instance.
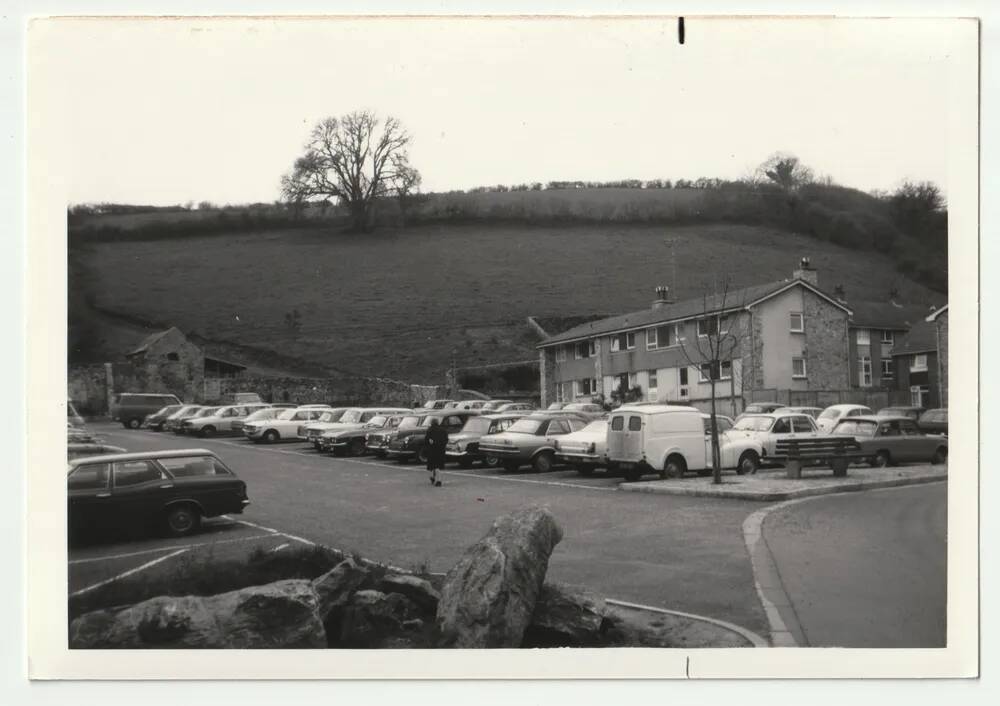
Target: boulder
pixel 415 588
pixel 567 616
pixel 276 615
pixel 335 587
pixel 371 618
pixel 489 596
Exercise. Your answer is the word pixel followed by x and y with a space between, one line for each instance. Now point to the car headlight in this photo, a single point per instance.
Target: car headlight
pixel 592 448
pixel 408 440
pixel 460 447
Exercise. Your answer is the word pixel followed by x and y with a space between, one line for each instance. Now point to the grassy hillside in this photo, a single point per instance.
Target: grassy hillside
pixel 400 303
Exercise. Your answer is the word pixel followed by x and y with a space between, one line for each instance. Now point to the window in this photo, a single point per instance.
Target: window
pixel 918 394
pixel 782 426
pixel 803 425
pixel 682 376
pixel 662 336
pixel 616 344
pixel 92 477
pixel 908 428
pixel 136 472
pixel 583 387
pixel 558 426
pixel 560 393
pixel 798 367
pixel 591 348
pixel 865 371
pixel 887 373
pixel 630 340
pixel 864 337
pixel 708 326
pixel 634 423
pixel 623 342
pixel 651 339
pixel 617 423
pixel 633 380
pixel 722 370
pixel 560 354
pixel 796 323
pixel 888 337
pixel 919 364
pixel 651 392
pixel 173 356
pixel 194 466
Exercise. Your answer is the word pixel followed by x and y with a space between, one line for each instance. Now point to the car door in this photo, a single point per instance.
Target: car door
pixel 139 491
pixel 780 430
pixel 89 497
pixel 889 438
pixel 915 446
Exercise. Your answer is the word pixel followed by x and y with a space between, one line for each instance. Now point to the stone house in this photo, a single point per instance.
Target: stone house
pixel 940 320
pixel 789 335
pixel 167 361
pixel 875 328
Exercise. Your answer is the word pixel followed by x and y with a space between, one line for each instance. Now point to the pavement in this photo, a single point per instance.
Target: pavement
pixel 858 570
pixel 772 485
pixel 683 554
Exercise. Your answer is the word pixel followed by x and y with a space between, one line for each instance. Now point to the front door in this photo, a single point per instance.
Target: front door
pixel 89 497
pixel 140 490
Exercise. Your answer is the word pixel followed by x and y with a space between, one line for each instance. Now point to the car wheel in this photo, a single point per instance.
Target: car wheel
pixel 182 520
pixel 542 463
pixel 133 423
pixel 749 463
pixel 940 456
pixel 207 431
pixel 585 469
pixel 270 436
pixel 882 459
pixel 356 447
pixel 633 474
pixel 673 468
pixel 491 461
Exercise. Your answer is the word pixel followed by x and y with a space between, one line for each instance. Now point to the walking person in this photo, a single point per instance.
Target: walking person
pixel 435 441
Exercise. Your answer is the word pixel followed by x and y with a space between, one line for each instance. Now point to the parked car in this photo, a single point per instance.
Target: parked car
pixel 310 431
pixel 934 421
pixel 175 489
pixel 672 440
pixel 767 429
pixel 243 398
pixel 813 412
pixel 529 440
pixel 589 410
pixel 350 438
pixel 585 449
pixel 221 420
pixel 283 427
pixel 463 447
pixel 762 407
pixel 76 450
pixel 157 419
pixel 130 408
pixel 176 420
pixel 434 404
pixel 203 412
pixel 516 407
pixel 555 406
pixel 469 404
pixel 269 412
pixel 829 417
pixel 890 440
pixel 904 411
pixel 377 442
pixel 494 405
pixel 409 443
pixel 285 405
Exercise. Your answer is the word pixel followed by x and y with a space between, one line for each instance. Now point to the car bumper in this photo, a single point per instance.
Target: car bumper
pixel 253 433
pixel 400 453
pixel 502 451
pixel 593 459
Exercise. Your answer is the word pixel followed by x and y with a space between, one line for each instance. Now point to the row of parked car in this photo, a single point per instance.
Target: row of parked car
pixel 931 421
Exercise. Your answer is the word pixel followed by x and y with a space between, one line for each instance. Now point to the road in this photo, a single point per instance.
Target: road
pixel 673 552
pixel 866 569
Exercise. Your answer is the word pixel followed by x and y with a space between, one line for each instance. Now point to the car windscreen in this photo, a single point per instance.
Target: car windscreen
pixel 208 411
pixel 263 414
pixel 754 424
pixel 526 426
pixel 377 421
pixel 287 414
pixel 855 427
pixel 477 425
pixel 185 410
pixel 410 422
pixel 352 416
pixel 829 413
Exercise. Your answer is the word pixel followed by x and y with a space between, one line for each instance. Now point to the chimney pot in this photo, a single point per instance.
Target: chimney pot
pixel 662 296
pixel 806 272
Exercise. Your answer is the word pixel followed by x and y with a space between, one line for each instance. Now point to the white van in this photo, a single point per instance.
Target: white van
pixel 671 440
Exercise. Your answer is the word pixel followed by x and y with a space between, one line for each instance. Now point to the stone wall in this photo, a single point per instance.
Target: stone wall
pixel 826 341
pixel 87 388
pixel 170 364
pixel 340 391
pixel 547 380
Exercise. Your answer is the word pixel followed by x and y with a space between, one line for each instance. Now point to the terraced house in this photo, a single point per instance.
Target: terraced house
pixel 789 335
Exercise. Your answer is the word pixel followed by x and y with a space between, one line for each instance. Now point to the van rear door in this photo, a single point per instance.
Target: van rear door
pixel 633 437
pixel 616 438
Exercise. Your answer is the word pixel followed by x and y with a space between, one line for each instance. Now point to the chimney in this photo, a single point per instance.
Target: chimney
pixel 839 294
pixel 806 272
pixel 662 297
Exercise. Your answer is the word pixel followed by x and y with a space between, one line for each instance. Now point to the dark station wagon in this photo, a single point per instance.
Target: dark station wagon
pixel 172 489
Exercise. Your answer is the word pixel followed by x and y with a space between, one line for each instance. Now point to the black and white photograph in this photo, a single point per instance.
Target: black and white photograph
pixel 626 335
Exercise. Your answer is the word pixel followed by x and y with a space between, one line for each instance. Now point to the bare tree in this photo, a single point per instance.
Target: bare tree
pixel 354 159
pixel 407 184
pixel 721 337
pixel 786 171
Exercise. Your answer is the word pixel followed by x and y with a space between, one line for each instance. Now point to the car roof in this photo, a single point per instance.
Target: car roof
pixel 847 406
pixel 141 456
pixel 877 419
pixel 513 414
pixel 656 409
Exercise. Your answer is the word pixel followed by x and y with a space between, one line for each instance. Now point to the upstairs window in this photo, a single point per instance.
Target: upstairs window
pixel 887 373
pixel 796 323
pixel 798 367
pixel 560 354
pixel 720 371
pixel 888 337
pixel 919 364
pixel 864 337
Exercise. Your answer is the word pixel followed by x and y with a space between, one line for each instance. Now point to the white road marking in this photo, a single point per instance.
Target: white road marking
pixel 280 547
pixel 252 524
pixel 122 575
pixel 127 555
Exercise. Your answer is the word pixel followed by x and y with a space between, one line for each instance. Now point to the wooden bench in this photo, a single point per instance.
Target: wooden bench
pixel 836 451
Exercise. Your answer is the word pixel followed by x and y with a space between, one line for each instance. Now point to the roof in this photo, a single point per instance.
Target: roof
pixel 735 300
pixel 886 315
pixel 151 339
pixel 935 314
pixel 922 338
pixel 656 408
pixel 141 456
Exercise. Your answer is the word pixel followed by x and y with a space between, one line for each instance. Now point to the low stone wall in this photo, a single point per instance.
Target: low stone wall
pixel 344 391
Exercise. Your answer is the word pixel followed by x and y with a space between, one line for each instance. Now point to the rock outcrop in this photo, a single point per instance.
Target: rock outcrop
pixel 568 616
pixel 334 588
pixel 488 597
pixel 415 588
pixel 277 615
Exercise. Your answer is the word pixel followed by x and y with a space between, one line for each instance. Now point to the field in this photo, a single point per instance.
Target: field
pixel 402 303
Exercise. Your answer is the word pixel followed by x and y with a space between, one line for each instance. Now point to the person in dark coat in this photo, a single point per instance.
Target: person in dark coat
pixel 435 441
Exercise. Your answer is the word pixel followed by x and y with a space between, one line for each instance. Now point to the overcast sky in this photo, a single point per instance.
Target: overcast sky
pixel 169 111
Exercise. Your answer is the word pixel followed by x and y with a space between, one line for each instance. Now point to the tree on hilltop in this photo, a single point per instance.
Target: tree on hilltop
pixel 786 171
pixel 354 159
